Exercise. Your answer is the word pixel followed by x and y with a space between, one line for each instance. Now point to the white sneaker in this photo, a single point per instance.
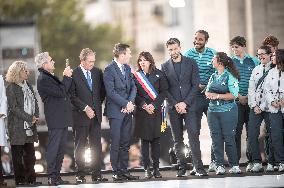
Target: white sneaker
pixel 220 170
pixel 249 167
pixel 212 167
pixel 276 167
pixel 269 168
pixel 257 167
pixel 235 170
pixel 281 167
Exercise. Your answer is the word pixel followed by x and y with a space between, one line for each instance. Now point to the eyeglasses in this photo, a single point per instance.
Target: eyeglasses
pixel 258 55
pixel 273 55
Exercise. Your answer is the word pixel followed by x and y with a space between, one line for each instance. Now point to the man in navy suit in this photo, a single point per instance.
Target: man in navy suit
pixel 88 93
pixel 120 96
pixel 183 79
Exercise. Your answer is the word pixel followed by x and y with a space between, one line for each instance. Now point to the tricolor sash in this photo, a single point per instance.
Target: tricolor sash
pixel 150 90
pixel 146 85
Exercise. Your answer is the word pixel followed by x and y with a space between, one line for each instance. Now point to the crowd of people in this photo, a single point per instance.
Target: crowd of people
pixel 231 91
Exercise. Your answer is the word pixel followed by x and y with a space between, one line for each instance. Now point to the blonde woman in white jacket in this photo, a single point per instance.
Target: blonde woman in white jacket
pixel 274 95
pixel 3 115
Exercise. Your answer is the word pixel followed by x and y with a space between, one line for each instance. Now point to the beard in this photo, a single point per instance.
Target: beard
pixel 198 46
pixel 175 56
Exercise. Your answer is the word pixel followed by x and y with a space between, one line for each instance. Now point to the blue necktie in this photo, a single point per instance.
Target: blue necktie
pixel 89 80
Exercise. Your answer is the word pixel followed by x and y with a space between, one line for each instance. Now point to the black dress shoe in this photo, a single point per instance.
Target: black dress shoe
pixel 80 179
pixel 128 176
pixel 118 177
pixel 56 181
pixel 156 173
pixel 52 181
pixel 99 178
pixel 61 181
pixel 21 184
pixel 35 183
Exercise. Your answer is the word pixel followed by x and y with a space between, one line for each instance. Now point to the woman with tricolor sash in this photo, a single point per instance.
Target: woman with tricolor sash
pixel 151 92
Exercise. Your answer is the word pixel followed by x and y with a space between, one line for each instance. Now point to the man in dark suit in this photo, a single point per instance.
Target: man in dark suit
pixel 88 93
pixel 183 79
pixel 58 114
pixel 120 93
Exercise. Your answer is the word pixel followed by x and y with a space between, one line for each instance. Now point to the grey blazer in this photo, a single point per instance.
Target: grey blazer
pixel 17 116
pixel 185 87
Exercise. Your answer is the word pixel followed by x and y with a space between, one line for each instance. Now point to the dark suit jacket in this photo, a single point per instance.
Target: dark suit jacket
pixel 56 98
pixel 119 90
pixel 83 96
pixel 17 116
pixel 185 88
pixel 148 126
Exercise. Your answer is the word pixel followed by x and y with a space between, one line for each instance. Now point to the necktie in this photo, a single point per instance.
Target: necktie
pixel 89 80
pixel 123 70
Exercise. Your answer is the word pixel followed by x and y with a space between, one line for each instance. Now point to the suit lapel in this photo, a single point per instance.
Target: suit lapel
pixel 183 69
pixel 172 70
pixel 152 78
pixel 119 72
pixel 83 77
pixel 93 80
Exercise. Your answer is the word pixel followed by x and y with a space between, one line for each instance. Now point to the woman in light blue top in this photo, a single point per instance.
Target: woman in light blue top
pixel 222 89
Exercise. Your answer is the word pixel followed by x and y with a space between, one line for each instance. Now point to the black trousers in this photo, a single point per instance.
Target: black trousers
pixel 1 171
pixel 243 118
pixel 23 157
pixel 82 134
pixel 57 139
pixel 155 152
pixel 193 131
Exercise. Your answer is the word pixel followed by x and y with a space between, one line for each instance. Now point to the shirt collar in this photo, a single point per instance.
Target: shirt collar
pixel 204 51
pixel 120 65
pixel 84 70
pixel 241 59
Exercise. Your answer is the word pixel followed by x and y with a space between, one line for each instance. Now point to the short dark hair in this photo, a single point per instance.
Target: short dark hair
pixel 119 48
pixel 173 41
pixel 205 33
pixel 267 49
pixel 238 40
pixel 270 40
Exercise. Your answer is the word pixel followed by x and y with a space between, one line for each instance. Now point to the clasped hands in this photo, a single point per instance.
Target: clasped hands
pixel 129 108
pixel 181 107
pixel 35 120
pixel 278 104
pixel 212 96
pixel 149 108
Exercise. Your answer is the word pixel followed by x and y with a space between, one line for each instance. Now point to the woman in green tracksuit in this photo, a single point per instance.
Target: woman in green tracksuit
pixel 222 89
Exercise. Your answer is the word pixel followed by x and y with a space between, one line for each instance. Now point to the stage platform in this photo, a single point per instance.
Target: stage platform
pixel 169 180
